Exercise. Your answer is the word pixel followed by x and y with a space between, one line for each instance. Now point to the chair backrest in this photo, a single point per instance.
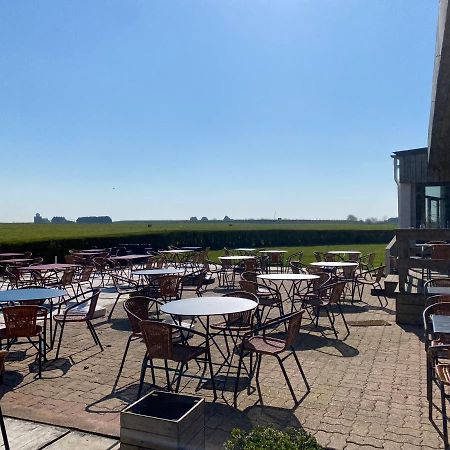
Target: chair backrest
pixel 86 274
pixel 324 278
pixel 318 256
pixel 67 277
pixel 158 339
pixel 440 251
pixel 68 259
pixel 249 286
pixel 249 265
pixel 245 317
pixel 329 257
pixel 169 285
pixel 336 292
pixel 38 260
pixel 249 276
pixel 122 284
pixel 349 272
pixel 293 328
pixel 20 321
pixel 442 303
pixel 371 259
pixel 93 303
pixel 137 310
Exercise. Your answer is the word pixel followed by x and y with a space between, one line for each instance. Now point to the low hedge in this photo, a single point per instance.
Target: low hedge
pixel 216 239
pixel 269 438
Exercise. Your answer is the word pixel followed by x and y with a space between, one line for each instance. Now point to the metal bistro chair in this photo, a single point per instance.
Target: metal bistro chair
pixel 259 343
pixel 138 308
pixel 123 286
pixel 325 298
pixel 73 315
pixel 21 322
pixel 159 341
pixel 372 278
pixel 234 324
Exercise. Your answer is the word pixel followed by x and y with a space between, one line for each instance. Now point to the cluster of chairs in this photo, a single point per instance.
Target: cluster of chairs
pixel 437 347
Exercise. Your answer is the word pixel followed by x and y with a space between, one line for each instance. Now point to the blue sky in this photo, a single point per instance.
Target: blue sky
pixel 168 109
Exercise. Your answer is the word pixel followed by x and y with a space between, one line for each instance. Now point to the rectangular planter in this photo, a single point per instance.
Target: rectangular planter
pixel 164 421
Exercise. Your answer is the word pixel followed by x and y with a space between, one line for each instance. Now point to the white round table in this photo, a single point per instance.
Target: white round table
pixel 273 251
pixel 23 295
pixel 344 252
pixel 208 306
pixel 333 264
pixel 294 278
pixel 236 258
pixel 158 272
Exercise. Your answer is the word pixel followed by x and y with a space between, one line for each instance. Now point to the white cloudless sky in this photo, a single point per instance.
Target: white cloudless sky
pixel 168 109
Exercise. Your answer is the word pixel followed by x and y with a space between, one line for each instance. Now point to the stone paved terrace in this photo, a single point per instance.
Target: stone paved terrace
pixel 366 392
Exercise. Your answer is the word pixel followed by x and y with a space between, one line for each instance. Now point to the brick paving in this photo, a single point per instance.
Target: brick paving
pixel 366 392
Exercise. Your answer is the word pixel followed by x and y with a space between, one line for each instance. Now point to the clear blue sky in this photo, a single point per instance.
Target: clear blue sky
pixel 164 109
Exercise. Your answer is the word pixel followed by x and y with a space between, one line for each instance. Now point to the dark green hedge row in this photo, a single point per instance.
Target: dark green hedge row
pixel 213 239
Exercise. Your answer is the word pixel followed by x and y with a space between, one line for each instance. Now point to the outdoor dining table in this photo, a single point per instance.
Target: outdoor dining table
pixel 10 255
pixel 158 272
pixel 333 264
pixel 177 256
pixel 294 278
pixel 15 261
pixel 32 295
pixel 47 267
pixel 206 307
pixel 345 253
pixel 236 258
pixel 191 249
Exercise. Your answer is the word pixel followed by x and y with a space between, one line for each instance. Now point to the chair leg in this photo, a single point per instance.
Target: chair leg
pixel 343 319
pixel 3 428
pixel 287 379
pixel 141 380
pixel 331 322
pixel 444 415
pixel 236 385
pixel 152 369
pixel 258 367
pixel 40 355
pixel 177 387
pixel 113 307
pixel 211 372
pixel 94 335
pixel 430 389
pixel 124 357
pixel 300 368
pixel 60 338
pixel 169 385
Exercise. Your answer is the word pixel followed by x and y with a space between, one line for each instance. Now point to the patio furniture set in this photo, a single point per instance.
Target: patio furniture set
pixel 263 294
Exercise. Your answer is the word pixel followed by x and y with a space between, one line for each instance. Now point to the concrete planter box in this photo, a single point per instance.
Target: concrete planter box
pixel 164 421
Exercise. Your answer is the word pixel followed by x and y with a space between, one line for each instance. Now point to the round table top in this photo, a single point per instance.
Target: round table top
pixel 15 295
pixel 175 251
pixel 236 257
pixel 128 257
pixel 165 271
pixel 288 276
pixel 48 267
pixel 332 264
pixel 273 251
pixel 246 249
pixel 208 306
pixel 15 260
pixel 10 255
pixel 344 252
pixel 191 248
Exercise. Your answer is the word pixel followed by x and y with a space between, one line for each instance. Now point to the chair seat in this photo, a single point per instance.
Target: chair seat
pixel 264 344
pixel 263 291
pixel 70 317
pixel 235 325
pixel 313 301
pixel 268 301
pixel 443 373
pixel 184 353
pixel 4 335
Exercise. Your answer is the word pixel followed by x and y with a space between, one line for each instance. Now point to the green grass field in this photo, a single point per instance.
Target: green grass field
pixel 22 233
pixel 308 257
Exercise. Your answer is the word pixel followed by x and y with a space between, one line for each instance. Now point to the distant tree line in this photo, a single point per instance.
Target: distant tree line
pixel 60 219
pixel 350 218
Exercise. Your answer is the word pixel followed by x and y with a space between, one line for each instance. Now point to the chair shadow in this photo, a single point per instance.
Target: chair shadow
pixel 120 324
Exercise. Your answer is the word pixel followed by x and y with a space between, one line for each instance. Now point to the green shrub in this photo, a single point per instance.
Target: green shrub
pixel 268 438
